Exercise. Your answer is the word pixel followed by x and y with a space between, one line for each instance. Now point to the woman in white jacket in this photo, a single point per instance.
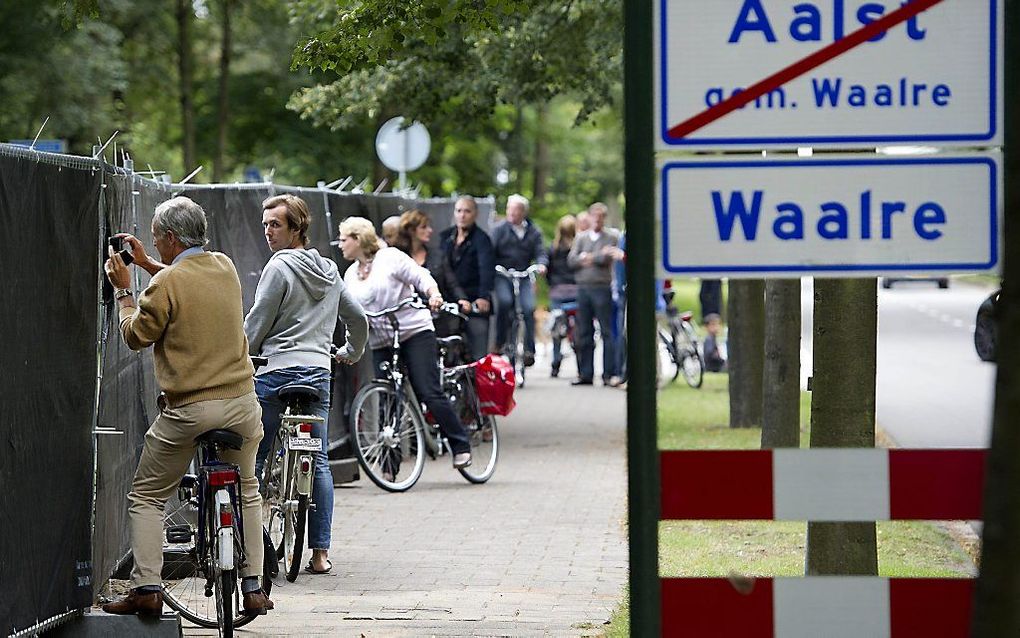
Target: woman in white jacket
pixel 380 278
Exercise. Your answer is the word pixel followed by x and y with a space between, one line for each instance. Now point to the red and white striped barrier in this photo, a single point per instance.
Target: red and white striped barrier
pixel 822 484
pixel 816 607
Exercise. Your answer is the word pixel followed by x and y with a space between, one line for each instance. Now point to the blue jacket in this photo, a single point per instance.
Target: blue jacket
pixel 515 253
pixel 472 261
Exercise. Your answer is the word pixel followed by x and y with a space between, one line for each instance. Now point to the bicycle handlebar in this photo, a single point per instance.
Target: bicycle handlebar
pixel 413 302
pixel 453 309
pixel 518 274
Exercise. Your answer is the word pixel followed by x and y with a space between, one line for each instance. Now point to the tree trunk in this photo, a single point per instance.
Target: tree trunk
pixel 746 351
pixel 843 410
pixel 781 387
pixel 185 14
pixel 541 173
pixel 223 109
pixel 996 612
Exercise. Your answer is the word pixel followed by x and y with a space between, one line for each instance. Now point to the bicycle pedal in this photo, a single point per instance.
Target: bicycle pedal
pixel 179 534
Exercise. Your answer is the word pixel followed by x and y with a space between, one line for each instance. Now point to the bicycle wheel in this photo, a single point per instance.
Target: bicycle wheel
pixel 484 449
pixel 691 364
pixel 274 498
pixel 295 537
pixel 226 584
pixel 388 437
pixel 667 369
pixel 184 575
pixel 518 351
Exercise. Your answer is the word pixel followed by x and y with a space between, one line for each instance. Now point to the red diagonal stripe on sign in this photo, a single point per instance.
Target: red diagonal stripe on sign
pixel 801 67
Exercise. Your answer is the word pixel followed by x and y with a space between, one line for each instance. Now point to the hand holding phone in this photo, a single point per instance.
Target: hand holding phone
pixel 117 243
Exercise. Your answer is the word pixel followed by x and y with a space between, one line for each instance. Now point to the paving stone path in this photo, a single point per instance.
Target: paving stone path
pixel 540 550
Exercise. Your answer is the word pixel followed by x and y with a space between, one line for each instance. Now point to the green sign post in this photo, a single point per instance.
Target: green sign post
pixel 642 452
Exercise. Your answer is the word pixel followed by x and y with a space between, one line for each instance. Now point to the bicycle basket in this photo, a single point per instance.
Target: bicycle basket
pixel 495 381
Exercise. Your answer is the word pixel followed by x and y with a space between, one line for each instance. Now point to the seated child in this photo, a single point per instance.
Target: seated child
pixel 714 359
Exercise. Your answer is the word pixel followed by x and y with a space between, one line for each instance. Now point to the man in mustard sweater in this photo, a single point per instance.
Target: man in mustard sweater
pixel 192 316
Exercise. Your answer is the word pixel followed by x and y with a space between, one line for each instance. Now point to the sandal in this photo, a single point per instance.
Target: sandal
pixel 312 570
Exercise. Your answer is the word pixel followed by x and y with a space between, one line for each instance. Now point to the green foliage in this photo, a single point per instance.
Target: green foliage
pixel 72 77
pixel 460 59
pixel 491 80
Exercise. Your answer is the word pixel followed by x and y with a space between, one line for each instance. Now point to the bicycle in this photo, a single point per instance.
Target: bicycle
pixel 203 540
pixel 562 324
pixel 287 476
pixel 679 344
pixel 391 431
pixel 514 349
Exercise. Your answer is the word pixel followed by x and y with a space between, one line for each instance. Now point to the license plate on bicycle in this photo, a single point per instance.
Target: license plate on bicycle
pixel 310 445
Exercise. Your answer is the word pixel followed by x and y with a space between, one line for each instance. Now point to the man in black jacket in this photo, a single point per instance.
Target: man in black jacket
pixel 517 244
pixel 469 252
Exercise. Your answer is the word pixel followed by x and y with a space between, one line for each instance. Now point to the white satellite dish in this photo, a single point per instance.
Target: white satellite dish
pixel 402 149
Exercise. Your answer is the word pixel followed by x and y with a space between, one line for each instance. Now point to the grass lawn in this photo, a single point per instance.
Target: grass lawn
pixel 698 419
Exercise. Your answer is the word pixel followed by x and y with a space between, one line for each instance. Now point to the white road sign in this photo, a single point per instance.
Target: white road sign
pixel 935 78
pixel 838 216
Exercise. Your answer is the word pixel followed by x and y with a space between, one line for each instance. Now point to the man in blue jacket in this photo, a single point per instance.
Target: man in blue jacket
pixel 517 244
pixel 469 250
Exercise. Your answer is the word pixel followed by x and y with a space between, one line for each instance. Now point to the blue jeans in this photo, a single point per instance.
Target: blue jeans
pixel 503 291
pixel 320 518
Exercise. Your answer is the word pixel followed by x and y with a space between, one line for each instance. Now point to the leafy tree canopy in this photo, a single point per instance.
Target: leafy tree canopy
pixel 460 59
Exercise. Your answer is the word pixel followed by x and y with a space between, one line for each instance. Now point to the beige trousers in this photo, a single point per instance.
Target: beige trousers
pixel 169 448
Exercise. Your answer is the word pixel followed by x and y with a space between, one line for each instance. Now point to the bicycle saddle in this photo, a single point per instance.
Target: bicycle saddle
pixel 299 392
pixel 226 438
pixel 449 341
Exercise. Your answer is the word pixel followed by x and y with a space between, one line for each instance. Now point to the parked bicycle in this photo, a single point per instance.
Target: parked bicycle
pixel 203 539
pixel 679 350
pixel 287 476
pixel 392 431
pixel 514 348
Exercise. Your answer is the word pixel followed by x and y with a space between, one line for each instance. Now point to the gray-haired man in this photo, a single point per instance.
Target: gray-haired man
pixel 191 313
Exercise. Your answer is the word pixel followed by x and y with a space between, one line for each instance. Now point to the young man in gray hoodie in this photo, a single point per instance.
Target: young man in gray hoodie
pixel 297 302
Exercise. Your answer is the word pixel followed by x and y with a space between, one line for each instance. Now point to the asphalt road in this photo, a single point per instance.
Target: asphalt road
pixel 932 390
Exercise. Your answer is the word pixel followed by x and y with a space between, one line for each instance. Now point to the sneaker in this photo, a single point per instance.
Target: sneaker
pixel 463 459
pixel 614 382
pixel 529 359
pixel 555 372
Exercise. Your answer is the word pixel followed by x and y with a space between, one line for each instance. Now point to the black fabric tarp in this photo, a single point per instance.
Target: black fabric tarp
pixel 50 233
pixel 127 395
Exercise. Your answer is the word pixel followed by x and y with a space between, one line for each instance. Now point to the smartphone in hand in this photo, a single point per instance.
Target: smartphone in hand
pixel 117 243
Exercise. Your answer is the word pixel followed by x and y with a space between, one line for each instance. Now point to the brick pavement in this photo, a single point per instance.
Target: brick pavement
pixel 540 550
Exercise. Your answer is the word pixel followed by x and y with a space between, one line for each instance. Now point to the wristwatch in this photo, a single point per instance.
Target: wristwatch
pixel 120 293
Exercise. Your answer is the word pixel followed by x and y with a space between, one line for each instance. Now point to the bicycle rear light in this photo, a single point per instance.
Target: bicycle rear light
pixel 686 316
pixel 226 517
pixel 306 466
pixel 305 428
pixel 219 478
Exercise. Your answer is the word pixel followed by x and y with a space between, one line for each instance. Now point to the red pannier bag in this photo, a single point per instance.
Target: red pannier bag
pixel 495 381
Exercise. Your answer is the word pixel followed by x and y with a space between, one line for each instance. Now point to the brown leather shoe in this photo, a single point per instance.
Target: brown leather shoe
pixel 135 603
pixel 256 603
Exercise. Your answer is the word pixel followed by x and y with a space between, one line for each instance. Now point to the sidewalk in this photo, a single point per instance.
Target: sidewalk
pixel 541 550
